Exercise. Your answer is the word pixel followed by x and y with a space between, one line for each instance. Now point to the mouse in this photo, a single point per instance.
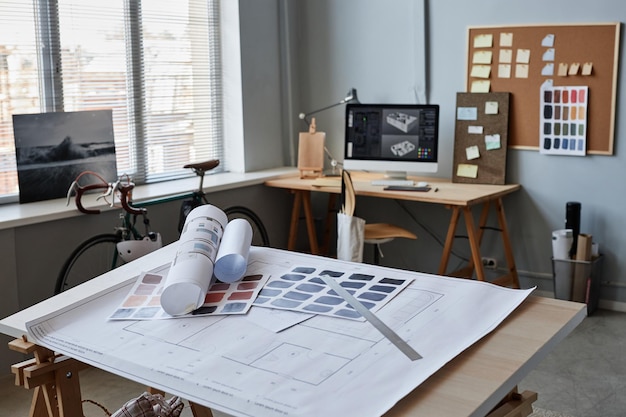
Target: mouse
pixel 422 184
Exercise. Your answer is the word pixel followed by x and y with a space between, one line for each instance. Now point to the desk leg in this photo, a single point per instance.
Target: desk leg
pixel 302 198
pixel 512 276
pixel 474 241
pixel 295 218
pixel 447 247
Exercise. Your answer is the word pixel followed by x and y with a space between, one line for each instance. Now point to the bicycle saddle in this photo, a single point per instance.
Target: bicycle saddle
pixel 203 166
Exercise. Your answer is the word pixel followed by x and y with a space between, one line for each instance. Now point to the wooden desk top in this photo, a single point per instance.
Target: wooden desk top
pixel 470 385
pixel 447 193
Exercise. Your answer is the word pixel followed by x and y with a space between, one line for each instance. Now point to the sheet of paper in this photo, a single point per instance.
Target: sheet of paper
pixel 483 41
pixel 563 69
pixel 482 57
pixel 475 130
pixel 521 70
pixel 472 152
pixel 467 170
pixel 492 142
pixel 548 55
pixel 587 68
pixel 548 41
pixel 491 107
pixel 480 71
pixel 504 71
pixel 230 364
pixel 573 68
pixel 548 70
pixel 480 86
pixel 467 113
pixel 505 56
pixel 506 39
pixel 522 56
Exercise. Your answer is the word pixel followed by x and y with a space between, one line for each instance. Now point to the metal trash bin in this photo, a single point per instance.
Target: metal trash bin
pixel 578 281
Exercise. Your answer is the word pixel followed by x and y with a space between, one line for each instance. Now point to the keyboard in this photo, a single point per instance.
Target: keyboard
pixel 387 183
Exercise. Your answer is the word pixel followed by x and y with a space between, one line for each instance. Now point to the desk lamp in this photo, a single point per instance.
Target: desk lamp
pixel 311 144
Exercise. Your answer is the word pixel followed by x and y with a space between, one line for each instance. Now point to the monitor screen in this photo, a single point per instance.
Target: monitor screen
pixel 393 138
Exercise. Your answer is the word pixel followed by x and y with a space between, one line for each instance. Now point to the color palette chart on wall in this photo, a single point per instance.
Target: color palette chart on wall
pixel 302 289
pixel 143 300
pixel 564 120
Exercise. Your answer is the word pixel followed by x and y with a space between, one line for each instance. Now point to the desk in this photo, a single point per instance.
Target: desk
pixel 471 384
pixel 460 198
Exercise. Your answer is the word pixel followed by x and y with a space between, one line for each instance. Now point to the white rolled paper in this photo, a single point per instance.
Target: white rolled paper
pixel 190 275
pixel 232 257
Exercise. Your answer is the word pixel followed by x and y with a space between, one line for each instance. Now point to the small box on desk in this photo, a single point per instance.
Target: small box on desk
pixel 578 280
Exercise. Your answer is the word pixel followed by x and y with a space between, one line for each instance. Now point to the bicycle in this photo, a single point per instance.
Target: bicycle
pixel 103 252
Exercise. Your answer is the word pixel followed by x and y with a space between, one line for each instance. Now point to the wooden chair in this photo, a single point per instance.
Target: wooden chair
pixel 375 233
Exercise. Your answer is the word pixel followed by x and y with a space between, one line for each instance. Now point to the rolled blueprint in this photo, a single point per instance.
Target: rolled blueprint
pixel 190 275
pixel 232 255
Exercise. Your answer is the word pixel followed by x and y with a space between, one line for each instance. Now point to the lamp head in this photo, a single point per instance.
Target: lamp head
pixel 351 97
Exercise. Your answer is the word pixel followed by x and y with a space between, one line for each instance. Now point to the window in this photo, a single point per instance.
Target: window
pixel 155 63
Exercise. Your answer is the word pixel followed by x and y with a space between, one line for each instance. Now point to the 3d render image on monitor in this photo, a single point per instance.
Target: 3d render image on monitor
pixel 392 138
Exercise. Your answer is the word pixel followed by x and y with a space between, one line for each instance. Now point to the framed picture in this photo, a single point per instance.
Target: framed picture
pixel 53 148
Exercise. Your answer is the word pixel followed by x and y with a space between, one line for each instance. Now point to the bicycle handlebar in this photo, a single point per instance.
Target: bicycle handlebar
pixel 124 188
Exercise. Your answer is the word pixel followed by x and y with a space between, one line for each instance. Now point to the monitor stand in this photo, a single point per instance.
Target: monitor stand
pixel 394 178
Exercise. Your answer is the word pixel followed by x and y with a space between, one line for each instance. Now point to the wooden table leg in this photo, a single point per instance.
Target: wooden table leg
pixel 474 243
pixel 310 222
pixel 447 247
pixel 295 219
pixel 508 251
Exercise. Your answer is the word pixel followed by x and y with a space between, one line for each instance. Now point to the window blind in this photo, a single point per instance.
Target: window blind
pixel 155 63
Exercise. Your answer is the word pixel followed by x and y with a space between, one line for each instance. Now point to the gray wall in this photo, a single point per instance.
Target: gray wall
pixel 372 46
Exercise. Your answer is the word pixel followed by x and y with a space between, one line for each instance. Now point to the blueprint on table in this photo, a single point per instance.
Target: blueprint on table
pixel 321 366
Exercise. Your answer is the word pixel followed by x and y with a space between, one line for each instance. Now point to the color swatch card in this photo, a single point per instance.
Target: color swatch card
pixel 564 120
pixel 301 289
pixel 143 301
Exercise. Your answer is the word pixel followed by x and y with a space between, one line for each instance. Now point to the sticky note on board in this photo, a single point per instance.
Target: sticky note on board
pixel 504 71
pixel 492 142
pixel 482 57
pixel 467 113
pixel 483 41
pixel 467 170
pixel 506 39
pixel 548 70
pixel 548 41
pixel 587 68
pixel 472 152
pixel 522 56
pixel 521 70
pixel 475 130
pixel 491 107
pixel 562 72
pixel 505 56
pixel 573 69
pixel 481 71
pixel 548 55
pixel 480 86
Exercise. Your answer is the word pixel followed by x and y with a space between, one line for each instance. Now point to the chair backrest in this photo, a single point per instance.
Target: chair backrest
pixel 348 196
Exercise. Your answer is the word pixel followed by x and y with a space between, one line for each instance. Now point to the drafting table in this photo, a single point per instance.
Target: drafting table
pixel 460 198
pixel 471 384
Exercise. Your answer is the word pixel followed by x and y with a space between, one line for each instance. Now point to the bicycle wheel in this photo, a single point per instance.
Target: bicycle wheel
pixel 93 257
pixel 259 233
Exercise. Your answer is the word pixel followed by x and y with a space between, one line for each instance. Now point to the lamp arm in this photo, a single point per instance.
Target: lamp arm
pixel 303 116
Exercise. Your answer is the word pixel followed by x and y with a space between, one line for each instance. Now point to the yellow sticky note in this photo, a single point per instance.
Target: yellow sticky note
pixel 472 152
pixel 506 39
pixel 522 56
pixel 562 72
pixel 491 107
pixel 481 71
pixel 505 56
pixel 467 170
pixel 480 86
pixel 521 71
pixel 573 69
pixel 483 41
pixel 587 68
pixel 504 71
pixel 482 57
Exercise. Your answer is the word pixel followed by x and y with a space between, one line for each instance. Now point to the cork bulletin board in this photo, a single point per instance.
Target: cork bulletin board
pixel 481 138
pixel 521 59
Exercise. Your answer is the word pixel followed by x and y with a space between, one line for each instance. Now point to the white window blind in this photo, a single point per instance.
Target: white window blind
pixel 155 63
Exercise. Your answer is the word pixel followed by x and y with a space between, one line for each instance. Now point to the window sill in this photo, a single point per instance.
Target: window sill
pixel 15 215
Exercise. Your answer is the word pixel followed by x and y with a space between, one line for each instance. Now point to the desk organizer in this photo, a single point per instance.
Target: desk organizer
pixel 578 281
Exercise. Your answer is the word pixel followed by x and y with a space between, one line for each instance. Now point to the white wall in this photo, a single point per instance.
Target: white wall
pixel 371 45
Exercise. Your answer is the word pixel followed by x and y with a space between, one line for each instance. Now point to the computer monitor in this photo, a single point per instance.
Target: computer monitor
pixel 392 138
